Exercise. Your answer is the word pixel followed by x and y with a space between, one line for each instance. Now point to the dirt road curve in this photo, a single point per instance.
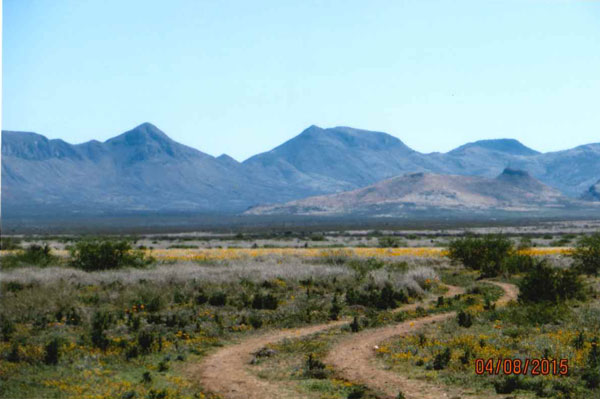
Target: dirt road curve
pixel 227 373
pixel 354 357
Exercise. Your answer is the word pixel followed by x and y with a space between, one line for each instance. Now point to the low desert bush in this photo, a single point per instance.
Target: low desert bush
pixel 544 283
pixel 587 254
pixel 486 253
pixel 93 255
pixel 52 352
pixel 314 368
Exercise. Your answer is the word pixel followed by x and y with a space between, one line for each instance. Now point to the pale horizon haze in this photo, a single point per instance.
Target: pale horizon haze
pixel 242 77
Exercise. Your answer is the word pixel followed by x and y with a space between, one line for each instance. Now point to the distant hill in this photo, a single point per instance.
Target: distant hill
pixel 511 191
pixel 144 170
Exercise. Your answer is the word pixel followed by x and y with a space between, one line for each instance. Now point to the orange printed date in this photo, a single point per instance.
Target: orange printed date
pixel 541 366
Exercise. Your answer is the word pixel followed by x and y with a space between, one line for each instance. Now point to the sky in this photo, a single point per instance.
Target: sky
pixel 241 77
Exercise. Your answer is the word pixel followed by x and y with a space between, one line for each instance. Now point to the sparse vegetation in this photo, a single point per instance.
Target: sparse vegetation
pixel 128 328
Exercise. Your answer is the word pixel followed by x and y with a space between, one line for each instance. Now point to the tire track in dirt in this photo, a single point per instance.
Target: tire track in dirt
pixel 227 371
pixel 354 357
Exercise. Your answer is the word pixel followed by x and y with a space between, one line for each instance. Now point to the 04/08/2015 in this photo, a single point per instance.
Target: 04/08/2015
pixel 541 366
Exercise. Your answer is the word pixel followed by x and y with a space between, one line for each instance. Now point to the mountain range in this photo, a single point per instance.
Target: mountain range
pixel 144 170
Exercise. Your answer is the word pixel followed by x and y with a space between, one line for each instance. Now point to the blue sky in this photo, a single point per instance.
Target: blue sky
pixel 241 77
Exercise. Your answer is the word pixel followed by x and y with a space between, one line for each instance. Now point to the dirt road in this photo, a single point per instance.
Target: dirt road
pixel 227 371
pixel 354 356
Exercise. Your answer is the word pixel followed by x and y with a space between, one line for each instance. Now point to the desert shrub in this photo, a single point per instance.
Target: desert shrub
pixel 336 308
pixel 92 255
pixel 145 339
pixel 163 366
pixel 390 242
pixel 355 325
pixel 485 253
pixel 464 319
pixel 544 283
pixel 218 298
pixel 100 322
pixel 314 368
pixel 52 352
pixel 587 254
pixel 7 328
pixel 201 297
pixel 371 296
pixel 264 301
pixel 441 360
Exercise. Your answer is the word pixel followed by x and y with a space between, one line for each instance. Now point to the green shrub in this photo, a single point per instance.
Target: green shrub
pixel 218 299
pixel 334 312
pixel 201 297
pixel 145 339
pixel 52 352
pixel 315 368
pixel 355 326
pixel 92 255
pixel 544 283
pixel 371 296
pixel 486 253
pixel 464 319
pixel 100 322
pixel 7 328
pixel 441 360
pixel 264 301
pixel 587 254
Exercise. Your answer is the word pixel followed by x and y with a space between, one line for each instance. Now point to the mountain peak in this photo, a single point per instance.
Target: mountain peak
pixel 146 141
pixel 141 134
pixel 508 146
